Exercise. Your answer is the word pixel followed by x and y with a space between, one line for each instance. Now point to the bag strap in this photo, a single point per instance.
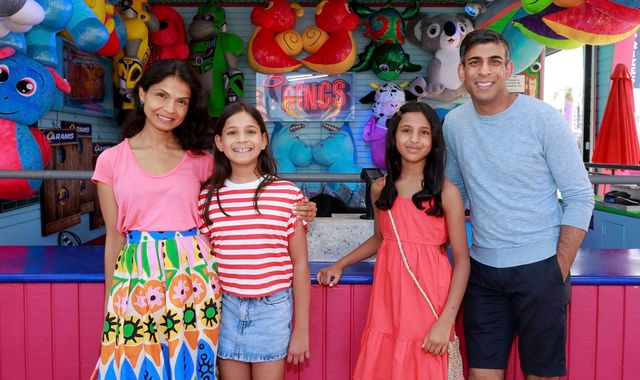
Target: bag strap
pixel 406 265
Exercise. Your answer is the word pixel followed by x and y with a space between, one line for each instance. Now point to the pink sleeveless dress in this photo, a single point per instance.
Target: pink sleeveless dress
pixel 399 317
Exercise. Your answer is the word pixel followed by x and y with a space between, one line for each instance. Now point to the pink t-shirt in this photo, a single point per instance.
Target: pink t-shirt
pixel 166 202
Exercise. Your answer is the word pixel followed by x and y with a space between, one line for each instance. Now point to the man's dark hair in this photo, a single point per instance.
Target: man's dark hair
pixel 484 36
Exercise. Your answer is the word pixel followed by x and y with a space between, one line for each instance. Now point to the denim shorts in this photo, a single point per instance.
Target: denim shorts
pixel 255 329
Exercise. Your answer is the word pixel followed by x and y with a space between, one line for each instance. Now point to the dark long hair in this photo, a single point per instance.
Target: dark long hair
pixel 433 168
pixel 222 166
pixel 194 134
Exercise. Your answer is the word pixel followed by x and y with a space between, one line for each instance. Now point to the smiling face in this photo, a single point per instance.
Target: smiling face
pixel 413 137
pixel 242 141
pixel 484 71
pixel 166 104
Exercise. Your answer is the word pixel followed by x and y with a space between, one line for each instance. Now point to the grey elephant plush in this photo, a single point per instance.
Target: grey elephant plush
pixel 441 36
pixel 19 16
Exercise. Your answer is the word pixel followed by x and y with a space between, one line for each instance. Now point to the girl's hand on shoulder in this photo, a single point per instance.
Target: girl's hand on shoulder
pixel 298 347
pixel 305 210
pixel 329 276
pixel 437 340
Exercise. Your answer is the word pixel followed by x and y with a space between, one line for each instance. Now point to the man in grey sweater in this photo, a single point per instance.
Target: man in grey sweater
pixel 509 155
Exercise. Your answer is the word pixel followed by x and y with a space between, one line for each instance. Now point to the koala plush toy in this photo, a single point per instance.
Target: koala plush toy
pixel 441 36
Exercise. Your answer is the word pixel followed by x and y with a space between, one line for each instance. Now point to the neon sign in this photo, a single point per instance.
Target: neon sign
pixel 305 97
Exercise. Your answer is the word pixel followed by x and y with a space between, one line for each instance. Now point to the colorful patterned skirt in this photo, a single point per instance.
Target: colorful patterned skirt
pixel 163 310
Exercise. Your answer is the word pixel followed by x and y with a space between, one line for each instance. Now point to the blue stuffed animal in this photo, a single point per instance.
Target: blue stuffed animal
pixel 88 33
pixel 27 89
pixel 336 152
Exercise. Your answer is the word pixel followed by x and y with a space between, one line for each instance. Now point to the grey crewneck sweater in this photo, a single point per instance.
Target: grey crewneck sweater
pixel 509 167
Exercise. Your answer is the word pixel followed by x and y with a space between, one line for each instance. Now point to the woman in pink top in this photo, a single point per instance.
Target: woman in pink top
pixel 162 301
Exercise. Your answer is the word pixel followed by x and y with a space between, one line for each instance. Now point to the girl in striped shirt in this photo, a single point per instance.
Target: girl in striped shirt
pixel 261 250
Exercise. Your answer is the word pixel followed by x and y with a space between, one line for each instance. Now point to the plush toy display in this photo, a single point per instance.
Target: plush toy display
pixel 170 40
pixel 384 55
pixel 214 55
pixel 331 44
pixel 129 63
pixel 336 152
pixel 19 16
pixel 387 100
pixel 274 42
pixel 27 88
pixel 440 36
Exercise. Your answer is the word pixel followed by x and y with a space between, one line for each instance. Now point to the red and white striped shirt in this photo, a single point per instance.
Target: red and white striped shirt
pixel 252 248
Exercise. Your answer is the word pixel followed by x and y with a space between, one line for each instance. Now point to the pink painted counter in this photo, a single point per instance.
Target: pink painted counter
pixel 51 316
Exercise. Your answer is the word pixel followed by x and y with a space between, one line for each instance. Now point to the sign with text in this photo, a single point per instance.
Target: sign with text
pixel 61 136
pixel 305 97
pixel 82 129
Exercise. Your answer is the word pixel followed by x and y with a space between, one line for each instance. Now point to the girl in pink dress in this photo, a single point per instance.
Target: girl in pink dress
pixel 402 338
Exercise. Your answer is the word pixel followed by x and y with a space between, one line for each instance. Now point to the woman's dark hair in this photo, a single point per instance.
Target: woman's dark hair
pixel 194 133
pixel 433 168
pixel 222 166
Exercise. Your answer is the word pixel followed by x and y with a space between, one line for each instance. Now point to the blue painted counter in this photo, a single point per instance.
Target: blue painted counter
pixel 84 264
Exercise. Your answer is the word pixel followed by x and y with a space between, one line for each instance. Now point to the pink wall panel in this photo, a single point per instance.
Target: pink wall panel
pixel 338 314
pixel 39 340
pixel 631 347
pixel 12 332
pixel 90 319
pixel 52 331
pixel 583 334
pixel 610 329
pixel 65 319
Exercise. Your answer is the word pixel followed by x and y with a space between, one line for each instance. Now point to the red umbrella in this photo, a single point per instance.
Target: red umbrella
pixel 617 141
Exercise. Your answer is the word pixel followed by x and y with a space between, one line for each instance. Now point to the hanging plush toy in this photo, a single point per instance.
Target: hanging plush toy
pixel 441 36
pixel 113 24
pixel 27 88
pixel 129 63
pixel 384 55
pixel 330 42
pixel 170 40
pixel 336 152
pixel 533 27
pixel 387 100
pixel 19 16
pixel 595 22
pixel 274 42
pixel 84 27
pixel 214 55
